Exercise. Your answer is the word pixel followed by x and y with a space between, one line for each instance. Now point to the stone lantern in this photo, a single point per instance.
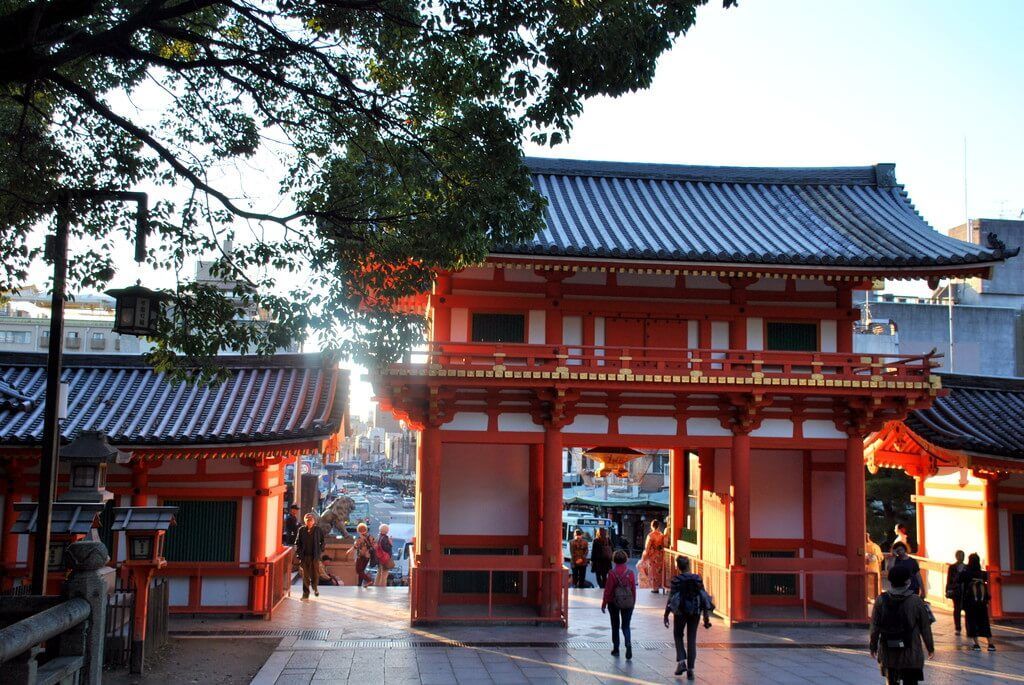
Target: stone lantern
pixel 87 457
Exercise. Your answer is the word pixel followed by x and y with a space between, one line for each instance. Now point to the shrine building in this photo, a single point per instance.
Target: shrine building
pixel 966 454
pixel 705 310
pixel 217 452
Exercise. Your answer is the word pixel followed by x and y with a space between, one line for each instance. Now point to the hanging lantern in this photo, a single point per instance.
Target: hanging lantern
pixel 137 310
pixel 612 461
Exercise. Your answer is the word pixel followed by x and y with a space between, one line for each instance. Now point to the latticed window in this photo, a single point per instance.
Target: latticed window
pixel 499 328
pixel 205 530
pixel 1017 543
pixel 795 337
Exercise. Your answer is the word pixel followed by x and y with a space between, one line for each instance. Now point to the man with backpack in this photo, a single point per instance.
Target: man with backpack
pixel 620 598
pixel 901 631
pixel 686 603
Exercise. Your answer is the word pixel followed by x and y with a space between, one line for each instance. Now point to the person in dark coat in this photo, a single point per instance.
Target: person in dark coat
pixel 291 524
pixel 578 549
pixel 902 558
pixel 601 556
pixel 686 591
pixel 974 597
pixel 953 587
pixel 309 547
pixel 900 655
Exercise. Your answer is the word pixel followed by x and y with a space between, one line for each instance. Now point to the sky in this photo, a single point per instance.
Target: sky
pixel 823 82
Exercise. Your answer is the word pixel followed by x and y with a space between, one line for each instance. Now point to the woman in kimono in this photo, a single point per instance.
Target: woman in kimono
pixel 651 567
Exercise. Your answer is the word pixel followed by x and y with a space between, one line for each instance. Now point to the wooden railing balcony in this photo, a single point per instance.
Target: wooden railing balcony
pixel 681 365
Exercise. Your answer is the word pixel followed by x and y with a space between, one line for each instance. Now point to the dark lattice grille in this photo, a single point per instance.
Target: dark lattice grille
pixel 508 328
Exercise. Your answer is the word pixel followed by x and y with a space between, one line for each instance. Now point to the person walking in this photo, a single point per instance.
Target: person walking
pixel 309 546
pixel 872 566
pixel 384 551
pixel 953 587
pixel 686 605
pixel 902 559
pixel 652 562
pixel 601 556
pixel 900 624
pixel 975 596
pixel 362 548
pixel 291 524
pixel 619 599
pixel 902 535
pixel 578 555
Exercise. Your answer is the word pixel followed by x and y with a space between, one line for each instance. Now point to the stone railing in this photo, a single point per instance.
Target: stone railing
pixel 50 639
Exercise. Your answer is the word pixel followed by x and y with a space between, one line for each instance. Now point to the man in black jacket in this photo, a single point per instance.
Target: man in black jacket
pixel 291 524
pixel 309 545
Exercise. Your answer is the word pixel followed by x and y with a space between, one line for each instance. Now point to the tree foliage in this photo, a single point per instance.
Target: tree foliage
pixel 888 495
pixel 396 126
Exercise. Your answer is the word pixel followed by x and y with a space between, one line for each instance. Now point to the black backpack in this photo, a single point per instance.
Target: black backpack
pixel 686 602
pixel 893 629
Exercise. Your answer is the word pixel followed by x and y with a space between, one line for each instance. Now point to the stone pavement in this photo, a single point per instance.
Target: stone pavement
pixel 363 637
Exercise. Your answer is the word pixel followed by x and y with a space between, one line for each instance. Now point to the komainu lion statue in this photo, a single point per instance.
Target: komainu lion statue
pixel 335 516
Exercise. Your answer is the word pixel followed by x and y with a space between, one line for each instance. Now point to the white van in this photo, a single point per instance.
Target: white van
pixel 401 538
pixel 588 523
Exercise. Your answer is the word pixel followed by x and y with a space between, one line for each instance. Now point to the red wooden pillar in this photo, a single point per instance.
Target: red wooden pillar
pixel 9 540
pixel 140 483
pixel 678 494
pixel 922 546
pixel 740 609
pixel 856 518
pixel 552 522
pixel 536 543
pixel 992 552
pixel 844 326
pixel 428 519
pixel 260 511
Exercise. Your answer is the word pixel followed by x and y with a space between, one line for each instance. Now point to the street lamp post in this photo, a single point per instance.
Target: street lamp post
pixel 57 251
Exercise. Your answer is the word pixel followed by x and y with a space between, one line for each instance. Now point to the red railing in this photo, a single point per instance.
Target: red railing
pixel 557 578
pixel 683 362
pixel 278 570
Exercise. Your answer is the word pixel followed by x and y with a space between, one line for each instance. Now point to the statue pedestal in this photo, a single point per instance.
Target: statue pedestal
pixel 341 564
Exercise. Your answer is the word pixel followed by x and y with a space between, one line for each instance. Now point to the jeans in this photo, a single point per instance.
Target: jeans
pixel 310 574
pixel 361 573
pixel 685 651
pixel 579 574
pixel 620 617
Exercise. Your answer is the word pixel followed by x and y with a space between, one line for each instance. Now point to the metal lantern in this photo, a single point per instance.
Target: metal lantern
pixel 612 460
pixel 145 529
pixel 137 310
pixel 141 547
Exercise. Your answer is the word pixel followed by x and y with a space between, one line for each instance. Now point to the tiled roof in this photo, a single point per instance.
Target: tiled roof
pixel 839 216
pixel 980 414
pixel 265 399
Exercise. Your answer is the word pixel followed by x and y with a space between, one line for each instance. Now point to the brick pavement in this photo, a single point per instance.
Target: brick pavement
pixel 362 637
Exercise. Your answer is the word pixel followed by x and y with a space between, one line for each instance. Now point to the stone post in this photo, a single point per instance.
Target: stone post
pixel 92 580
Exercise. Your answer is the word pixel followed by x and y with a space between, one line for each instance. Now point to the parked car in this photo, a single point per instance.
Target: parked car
pixel 408 503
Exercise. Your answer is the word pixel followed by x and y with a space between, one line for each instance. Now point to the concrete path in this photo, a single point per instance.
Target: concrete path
pixel 363 637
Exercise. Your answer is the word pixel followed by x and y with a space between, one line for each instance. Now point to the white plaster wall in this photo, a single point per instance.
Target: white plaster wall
pixel 224 592
pixel 948 529
pixel 599 331
pixel 774 428
pixel 178 591
pixel 812 285
pixel 770 284
pixel 816 428
pixel 523 276
pixel 518 422
pixel 693 334
pixel 705 283
pixel 467 421
pixel 829 588
pixel 828 335
pixel 647 280
pixel 460 324
pixel 828 505
pixel 755 333
pixel 776 495
pixel 122 543
pixel 245 548
pixel 485 489
pixel 536 327
pixel 587 278
pixel 223 466
pixel 719 335
pixel 1013 598
pixel 647 425
pixel 199 483
pixel 275 523
pixel 828 456
pixel 706 426
pixel 572 330
pixel 484 273
pixel 588 423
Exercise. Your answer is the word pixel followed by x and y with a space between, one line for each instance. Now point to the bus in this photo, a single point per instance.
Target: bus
pixel 588 523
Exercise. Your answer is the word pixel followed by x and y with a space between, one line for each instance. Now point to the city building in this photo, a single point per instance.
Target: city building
pixel 985 316
pixel 704 310
pixel 217 452
pixel 966 454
